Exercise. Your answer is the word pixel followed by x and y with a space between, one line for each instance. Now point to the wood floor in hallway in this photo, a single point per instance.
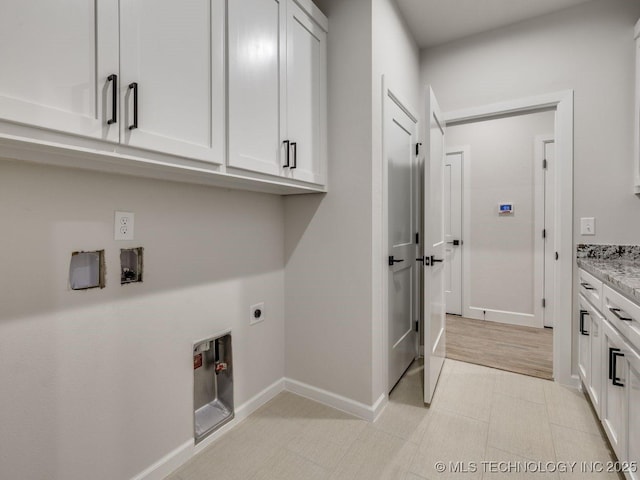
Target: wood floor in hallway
pixel 524 350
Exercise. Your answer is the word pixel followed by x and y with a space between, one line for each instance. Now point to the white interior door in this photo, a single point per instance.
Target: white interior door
pixel 549 146
pixel 453 231
pixel 400 140
pixel 434 250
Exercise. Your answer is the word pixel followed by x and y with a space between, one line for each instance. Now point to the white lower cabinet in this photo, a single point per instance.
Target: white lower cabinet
pixel 614 392
pixel 609 367
pixel 589 351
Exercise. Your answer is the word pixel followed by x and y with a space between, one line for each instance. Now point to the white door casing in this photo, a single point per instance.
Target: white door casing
pixel 434 246
pixel 453 173
pixel 400 134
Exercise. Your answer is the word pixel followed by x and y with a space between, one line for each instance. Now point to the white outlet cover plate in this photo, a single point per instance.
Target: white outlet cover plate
pixel 252 319
pixel 123 226
pixel 587 226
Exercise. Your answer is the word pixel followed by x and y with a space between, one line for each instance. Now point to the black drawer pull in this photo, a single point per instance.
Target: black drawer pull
pixel 586 286
pixel 617 311
pixel 134 86
pixel 113 78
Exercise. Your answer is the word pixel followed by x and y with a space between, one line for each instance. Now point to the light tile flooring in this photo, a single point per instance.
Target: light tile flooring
pixel 478 415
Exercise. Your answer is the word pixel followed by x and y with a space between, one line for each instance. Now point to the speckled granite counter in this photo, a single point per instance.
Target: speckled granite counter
pixel 616 265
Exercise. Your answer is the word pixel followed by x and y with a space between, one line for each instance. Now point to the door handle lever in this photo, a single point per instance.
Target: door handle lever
pixel 393 261
pixel 436 260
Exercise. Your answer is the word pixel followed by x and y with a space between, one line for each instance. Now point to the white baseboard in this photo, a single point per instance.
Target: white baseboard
pixel 344 404
pixel 174 459
pixel 500 316
pixel 168 463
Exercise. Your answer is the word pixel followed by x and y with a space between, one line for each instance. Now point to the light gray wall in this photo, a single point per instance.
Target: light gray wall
pixel 501 168
pixel 328 245
pixel 100 381
pixel 588 48
pixel 334 243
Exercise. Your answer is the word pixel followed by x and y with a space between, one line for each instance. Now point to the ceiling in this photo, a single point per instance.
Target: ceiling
pixel 434 22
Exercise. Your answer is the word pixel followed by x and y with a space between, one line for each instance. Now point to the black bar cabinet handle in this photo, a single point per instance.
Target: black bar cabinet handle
pixel 582 330
pixel 295 155
pixel 615 380
pixel 287 147
pixel 611 361
pixel 113 78
pixel 587 286
pixel 616 311
pixel 134 86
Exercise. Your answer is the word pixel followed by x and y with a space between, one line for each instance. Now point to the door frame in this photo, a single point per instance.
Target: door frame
pixel 391 95
pixel 562 235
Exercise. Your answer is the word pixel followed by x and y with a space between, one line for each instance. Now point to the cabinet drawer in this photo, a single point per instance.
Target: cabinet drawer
pixel 623 315
pixel 590 287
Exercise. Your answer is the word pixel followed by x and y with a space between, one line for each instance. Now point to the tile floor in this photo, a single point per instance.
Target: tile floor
pixel 478 415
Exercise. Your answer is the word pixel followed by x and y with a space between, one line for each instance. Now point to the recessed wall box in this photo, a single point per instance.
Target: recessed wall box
pixel 86 270
pixel 131 264
pixel 212 385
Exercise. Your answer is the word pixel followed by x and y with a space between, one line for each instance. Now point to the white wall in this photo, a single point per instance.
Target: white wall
pixel 588 48
pixel 328 245
pixel 98 384
pixel 501 249
pixel 334 257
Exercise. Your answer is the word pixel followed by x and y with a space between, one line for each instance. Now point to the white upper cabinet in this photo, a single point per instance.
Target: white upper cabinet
pixel 277 88
pixel 306 95
pixel 59 64
pixel 255 91
pixel 171 69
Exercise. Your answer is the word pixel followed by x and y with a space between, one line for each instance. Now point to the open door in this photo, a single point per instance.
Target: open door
pixel 434 246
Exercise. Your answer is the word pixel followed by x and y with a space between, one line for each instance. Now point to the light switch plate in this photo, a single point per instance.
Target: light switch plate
pixel 123 226
pixel 587 226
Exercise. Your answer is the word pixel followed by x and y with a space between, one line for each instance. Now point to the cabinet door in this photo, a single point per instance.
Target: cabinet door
pixel 633 422
pixel 256 46
pixel 171 60
pixel 56 58
pixel 306 95
pixel 596 368
pixel 614 401
pixel 584 343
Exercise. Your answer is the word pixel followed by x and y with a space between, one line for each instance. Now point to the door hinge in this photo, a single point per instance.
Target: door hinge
pixel 544 303
pixel 545 164
pixel 417 326
pixel 417 238
pixel 418 148
pixel 544 233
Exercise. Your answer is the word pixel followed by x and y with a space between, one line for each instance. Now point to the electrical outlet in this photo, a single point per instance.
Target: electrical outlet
pixel 587 226
pixel 123 226
pixel 257 313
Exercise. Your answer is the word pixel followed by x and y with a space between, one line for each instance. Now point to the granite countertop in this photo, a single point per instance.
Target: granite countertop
pixel 622 274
